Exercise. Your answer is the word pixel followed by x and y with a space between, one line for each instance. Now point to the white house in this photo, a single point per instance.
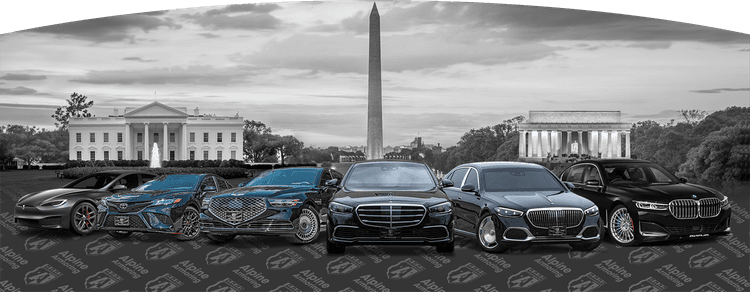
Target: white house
pixel 179 136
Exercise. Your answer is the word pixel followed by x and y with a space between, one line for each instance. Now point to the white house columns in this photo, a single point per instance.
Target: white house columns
pixel 184 150
pixel 146 148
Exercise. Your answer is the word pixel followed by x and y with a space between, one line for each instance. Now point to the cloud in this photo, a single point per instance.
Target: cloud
pixel 745 50
pixel 651 45
pixel 240 16
pixel 200 75
pixel 719 90
pixel 209 35
pixel 107 29
pixel 22 77
pixel 138 59
pixel 20 90
pixel 28 106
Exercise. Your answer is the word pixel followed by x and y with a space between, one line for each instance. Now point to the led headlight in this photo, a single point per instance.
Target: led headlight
pixel 340 208
pixel 593 211
pixel 441 208
pixel 505 212
pixel 160 202
pixel 284 202
pixel 55 203
pixel 725 202
pixel 651 205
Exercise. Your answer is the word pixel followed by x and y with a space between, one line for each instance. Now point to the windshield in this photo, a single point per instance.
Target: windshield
pixel 284 177
pixel 520 180
pixel 390 175
pixel 94 181
pixel 643 173
pixel 170 182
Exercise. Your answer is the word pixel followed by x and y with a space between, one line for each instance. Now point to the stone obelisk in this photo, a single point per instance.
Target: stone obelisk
pixel 374 91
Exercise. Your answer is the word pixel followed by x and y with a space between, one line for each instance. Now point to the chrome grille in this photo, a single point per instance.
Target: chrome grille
pixel 691 209
pixel 236 210
pixel 391 215
pixel 548 217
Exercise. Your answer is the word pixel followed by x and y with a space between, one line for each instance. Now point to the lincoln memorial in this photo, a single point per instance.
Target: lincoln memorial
pixel 596 134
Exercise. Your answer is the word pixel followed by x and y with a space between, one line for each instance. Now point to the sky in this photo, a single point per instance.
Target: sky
pixel 448 67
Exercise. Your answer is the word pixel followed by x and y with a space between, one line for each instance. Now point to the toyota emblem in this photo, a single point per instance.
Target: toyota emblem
pixel 123 205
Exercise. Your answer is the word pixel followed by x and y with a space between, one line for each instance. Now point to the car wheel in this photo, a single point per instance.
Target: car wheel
pixel 190 224
pixel 308 228
pixel 120 234
pixel 488 236
pixel 589 245
pixel 83 218
pixel 622 227
pixel 220 238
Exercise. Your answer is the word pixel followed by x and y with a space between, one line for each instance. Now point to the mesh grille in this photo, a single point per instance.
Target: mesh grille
pixel 135 222
pixel 691 209
pixel 694 229
pixel 132 207
pixel 391 215
pixel 548 217
pixel 237 210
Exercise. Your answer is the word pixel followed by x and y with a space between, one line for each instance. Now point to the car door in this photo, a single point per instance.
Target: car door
pixel 324 192
pixel 456 196
pixel 578 175
pixel 471 203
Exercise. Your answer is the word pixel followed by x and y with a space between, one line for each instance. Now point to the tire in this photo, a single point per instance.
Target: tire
pixel 308 229
pixel 83 218
pixel 446 248
pixel 486 233
pixel 333 248
pixel 220 238
pixel 120 234
pixel 191 228
pixel 619 230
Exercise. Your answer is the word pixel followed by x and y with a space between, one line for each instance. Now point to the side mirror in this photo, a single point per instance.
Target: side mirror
pixel 208 189
pixel 332 182
pixel 469 188
pixel 593 183
pixel 570 185
pixel 119 188
pixel 446 183
pixel 683 180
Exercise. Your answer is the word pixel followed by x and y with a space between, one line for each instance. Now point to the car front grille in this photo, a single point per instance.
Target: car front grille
pixel 134 220
pixel 549 217
pixel 237 210
pixel 391 215
pixel 132 207
pixel 691 209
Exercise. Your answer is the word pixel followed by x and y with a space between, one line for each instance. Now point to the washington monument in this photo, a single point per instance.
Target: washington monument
pixel 374 92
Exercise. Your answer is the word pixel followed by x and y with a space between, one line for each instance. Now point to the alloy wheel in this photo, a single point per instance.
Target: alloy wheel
pixel 190 221
pixel 308 225
pixel 622 226
pixel 84 218
pixel 487 235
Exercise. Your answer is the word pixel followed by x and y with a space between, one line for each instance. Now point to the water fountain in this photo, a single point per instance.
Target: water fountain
pixel 155 157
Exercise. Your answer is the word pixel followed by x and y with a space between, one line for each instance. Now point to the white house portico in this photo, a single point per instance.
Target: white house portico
pixel 180 136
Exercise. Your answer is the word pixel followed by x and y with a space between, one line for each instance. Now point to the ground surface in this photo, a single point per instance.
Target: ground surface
pixel 49 260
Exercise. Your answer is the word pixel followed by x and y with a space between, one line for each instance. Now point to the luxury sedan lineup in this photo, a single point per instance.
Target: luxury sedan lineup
pixel 166 204
pixel 390 202
pixel 642 201
pixel 73 206
pixel 507 203
pixel 286 202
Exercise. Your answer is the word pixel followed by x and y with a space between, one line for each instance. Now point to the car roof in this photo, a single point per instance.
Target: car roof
pixel 500 164
pixel 388 160
pixel 124 171
pixel 603 161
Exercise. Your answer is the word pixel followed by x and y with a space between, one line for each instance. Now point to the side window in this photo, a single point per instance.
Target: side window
pixel 575 175
pixel 223 184
pixel 146 177
pixel 325 177
pixel 592 173
pixel 129 181
pixel 337 175
pixel 208 182
pixel 458 176
pixel 472 179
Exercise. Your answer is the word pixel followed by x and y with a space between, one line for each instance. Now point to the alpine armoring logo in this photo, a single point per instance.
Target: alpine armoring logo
pixel 163 283
pixel 42 241
pixel 647 285
pixel 226 285
pixel 102 246
pixel 223 256
pixel 283 260
pixel 286 287
pixel 708 287
pixel 102 280
pixel 585 283
pixel 404 269
pixel 645 255
pixel 465 274
pixel 706 259
pixel 525 279
pixel 344 265
pixel 162 250
pixel 41 275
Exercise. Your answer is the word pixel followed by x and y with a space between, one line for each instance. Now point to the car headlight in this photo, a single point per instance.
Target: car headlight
pixel 593 211
pixel 441 208
pixel 340 208
pixel 55 203
pixel 284 202
pixel 505 212
pixel 160 202
pixel 103 202
pixel 725 202
pixel 205 203
pixel 651 205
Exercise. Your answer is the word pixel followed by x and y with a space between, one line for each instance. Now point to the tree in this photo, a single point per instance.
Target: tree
pixel 693 116
pixel 722 157
pixel 77 107
pixel 256 136
pixel 24 142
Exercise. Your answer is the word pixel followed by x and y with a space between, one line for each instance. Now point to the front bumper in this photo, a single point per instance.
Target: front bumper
pixel 520 230
pixel 42 217
pixel 272 221
pixel 347 229
pixel 157 219
pixel 661 225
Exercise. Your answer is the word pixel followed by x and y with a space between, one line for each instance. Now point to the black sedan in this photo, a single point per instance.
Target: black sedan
pixel 390 202
pixel 643 202
pixel 506 203
pixel 286 202
pixel 73 205
pixel 167 204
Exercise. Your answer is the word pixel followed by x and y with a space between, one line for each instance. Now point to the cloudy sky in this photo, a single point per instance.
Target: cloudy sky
pixel 300 67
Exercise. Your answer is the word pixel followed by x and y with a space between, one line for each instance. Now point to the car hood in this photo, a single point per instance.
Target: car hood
pixel 523 201
pixel 425 198
pixel 34 199
pixel 264 191
pixel 666 192
pixel 146 196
